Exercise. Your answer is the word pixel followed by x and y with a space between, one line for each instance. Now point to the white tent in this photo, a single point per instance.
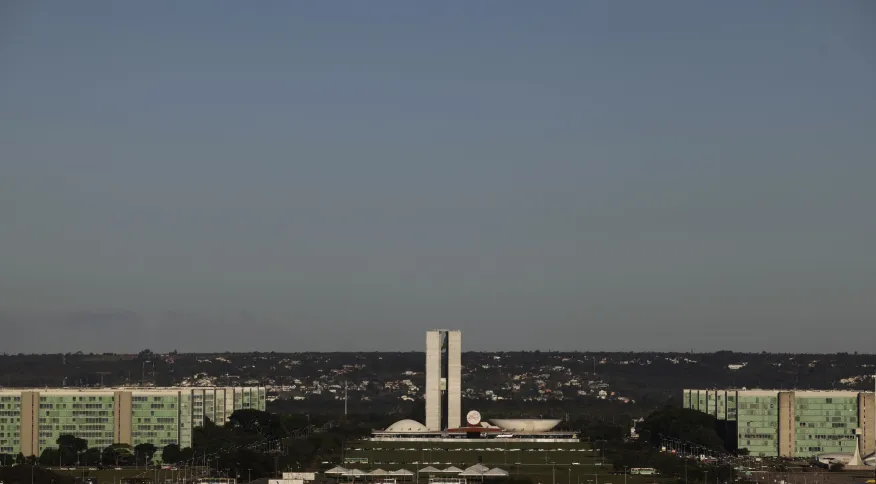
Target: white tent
pixel 479 468
pixel 471 473
pixel 354 473
pixel 428 470
pixel 496 472
pixel 336 470
pixel 401 472
pixel 452 470
pixel 378 472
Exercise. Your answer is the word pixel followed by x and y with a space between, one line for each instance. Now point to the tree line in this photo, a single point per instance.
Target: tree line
pixel 252 444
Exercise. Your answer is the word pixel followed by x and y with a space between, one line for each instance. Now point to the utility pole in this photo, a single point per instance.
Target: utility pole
pixel 345 399
pixel 102 374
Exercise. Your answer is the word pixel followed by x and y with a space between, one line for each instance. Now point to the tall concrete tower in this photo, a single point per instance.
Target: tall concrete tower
pixel 443 379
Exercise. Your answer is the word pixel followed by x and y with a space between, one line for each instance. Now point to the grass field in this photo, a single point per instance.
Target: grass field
pixel 113 476
pixel 546 463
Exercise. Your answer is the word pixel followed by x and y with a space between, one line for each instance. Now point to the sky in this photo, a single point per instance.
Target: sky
pixel 218 175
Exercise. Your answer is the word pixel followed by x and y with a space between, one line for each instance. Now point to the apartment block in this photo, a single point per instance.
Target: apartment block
pixel 31 420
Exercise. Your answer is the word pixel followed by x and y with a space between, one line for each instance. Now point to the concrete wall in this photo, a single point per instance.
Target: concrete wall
pixel 122 416
pixel 787 426
pixel 867 422
pixel 433 380
pixel 29 434
pixel 454 379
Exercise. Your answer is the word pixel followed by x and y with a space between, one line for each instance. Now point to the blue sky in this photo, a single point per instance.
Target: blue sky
pixel 211 175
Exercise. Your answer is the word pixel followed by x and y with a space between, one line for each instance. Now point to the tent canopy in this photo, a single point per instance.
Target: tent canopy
pixel 496 472
pixel 428 470
pixel 471 473
pixel 336 470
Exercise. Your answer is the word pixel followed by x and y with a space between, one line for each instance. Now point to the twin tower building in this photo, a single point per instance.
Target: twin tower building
pixel 443 379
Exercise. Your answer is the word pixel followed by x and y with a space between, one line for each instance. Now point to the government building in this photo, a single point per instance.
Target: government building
pixel 792 423
pixel 32 419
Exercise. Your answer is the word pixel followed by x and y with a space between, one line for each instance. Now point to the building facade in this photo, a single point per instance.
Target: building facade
pixel 792 423
pixel 443 379
pixel 31 420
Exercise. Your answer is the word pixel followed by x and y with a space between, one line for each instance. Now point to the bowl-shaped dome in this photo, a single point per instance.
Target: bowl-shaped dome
pixel 525 424
pixel 407 425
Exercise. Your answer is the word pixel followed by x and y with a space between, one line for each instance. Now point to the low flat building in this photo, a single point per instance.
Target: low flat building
pixel 792 423
pixel 32 419
pixel 508 430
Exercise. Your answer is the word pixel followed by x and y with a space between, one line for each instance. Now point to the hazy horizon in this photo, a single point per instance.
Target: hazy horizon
pixel 305 176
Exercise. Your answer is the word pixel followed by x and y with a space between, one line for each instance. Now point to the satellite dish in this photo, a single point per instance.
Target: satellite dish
pixel 473 418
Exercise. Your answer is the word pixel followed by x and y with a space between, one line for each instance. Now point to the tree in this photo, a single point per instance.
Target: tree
pixel 72 442
pixel 117 454
pixel 258 422
pixel 171 454
pixel 50 457
pixel 70 447
pixel 145 452
pixel 684 424
pixel 91 456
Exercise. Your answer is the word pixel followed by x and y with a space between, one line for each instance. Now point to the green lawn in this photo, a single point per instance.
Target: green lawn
pixel 110 476
pixel 563 463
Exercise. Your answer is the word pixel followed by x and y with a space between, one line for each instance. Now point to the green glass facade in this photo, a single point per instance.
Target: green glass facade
pixel 790 423
pixel 87 416
pixel 825 424
pixel 757 419
pixel 31 420
pixel 10 423
pixel 155 420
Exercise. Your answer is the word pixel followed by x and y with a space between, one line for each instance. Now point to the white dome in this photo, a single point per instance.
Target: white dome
pixel 525 424
pixel 407 425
